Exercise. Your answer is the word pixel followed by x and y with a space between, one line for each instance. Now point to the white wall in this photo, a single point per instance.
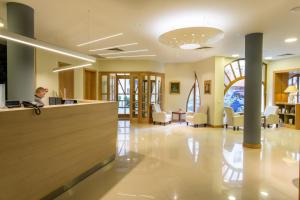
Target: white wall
pixel 46 61
pixel 220 63
pixel 205 70
pixel 184 73
pixel 278 65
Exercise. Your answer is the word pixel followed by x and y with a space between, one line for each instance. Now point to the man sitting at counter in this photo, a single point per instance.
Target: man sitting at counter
pixel 40 92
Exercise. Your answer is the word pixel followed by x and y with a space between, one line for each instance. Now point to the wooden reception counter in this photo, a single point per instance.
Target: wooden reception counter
pixel 42 155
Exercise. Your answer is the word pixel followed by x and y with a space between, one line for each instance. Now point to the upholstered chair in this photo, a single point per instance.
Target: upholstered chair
pixel 160 116
pixel 232 119
pixel 197 118
pixel 270 116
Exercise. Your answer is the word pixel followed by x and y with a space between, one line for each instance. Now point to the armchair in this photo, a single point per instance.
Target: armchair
pixel 231 119
pixel 270 116
pixel 160 116
pixel 197 118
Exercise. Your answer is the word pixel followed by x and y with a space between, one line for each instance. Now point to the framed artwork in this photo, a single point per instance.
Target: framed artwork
pixel 207 87
pixel 175 87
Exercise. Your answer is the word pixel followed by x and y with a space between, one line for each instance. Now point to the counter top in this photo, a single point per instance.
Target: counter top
pixel 81 103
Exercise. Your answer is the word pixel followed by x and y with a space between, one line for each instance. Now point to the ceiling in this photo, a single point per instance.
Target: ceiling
pixel 67 23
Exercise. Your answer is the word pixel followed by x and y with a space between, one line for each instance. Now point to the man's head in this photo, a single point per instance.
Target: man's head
pixel 40 92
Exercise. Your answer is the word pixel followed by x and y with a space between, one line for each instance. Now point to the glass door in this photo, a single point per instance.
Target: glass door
pixel 123 97
pixel 145 98
pixel 134 98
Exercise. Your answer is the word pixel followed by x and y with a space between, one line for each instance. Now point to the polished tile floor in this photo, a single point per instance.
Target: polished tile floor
pixel 176 162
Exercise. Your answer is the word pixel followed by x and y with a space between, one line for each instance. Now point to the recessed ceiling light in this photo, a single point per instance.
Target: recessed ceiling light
pixel 100 39
pixel 190 46
pixel 265 194
pixel 231 197
pixel 235 55
pixel 116 46
pixel 136 56
pixel 123 52
pixel 268 58
pixel 291 40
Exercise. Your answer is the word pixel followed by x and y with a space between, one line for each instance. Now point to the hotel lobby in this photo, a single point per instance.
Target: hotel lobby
pixel 142 100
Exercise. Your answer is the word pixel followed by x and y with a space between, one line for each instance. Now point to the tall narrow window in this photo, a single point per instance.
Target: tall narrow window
pixel 193 102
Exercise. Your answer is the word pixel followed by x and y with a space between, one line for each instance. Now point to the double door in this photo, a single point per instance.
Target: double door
pixel 135 93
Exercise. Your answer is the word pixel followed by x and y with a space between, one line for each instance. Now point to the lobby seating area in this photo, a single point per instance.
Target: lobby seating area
pixel 233 120
pixel 198 118
pixel 271 117
pixel 159 116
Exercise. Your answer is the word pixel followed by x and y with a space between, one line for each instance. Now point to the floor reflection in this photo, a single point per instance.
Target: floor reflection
pixel 176 162
pixel 232 169
pixel 194 148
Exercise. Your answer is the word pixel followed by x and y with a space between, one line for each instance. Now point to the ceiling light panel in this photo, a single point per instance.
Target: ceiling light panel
pixel 136 56
pixel 59 69
pixel 123 52
pixel 100 39
pixel 291 40
pixel 43 45
pixel 116 46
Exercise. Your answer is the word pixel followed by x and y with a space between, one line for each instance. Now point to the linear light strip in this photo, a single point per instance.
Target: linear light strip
pixel 59 69
pixel 117 46
pixel 123 52
pixel 43 45
pixel 130 56
pixel 100 39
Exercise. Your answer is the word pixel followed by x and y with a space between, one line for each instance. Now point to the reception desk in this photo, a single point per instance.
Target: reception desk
pixel 40 155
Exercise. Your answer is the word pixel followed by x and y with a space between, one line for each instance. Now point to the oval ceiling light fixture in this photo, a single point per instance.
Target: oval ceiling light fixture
pixel 191 38
pixel 291 40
